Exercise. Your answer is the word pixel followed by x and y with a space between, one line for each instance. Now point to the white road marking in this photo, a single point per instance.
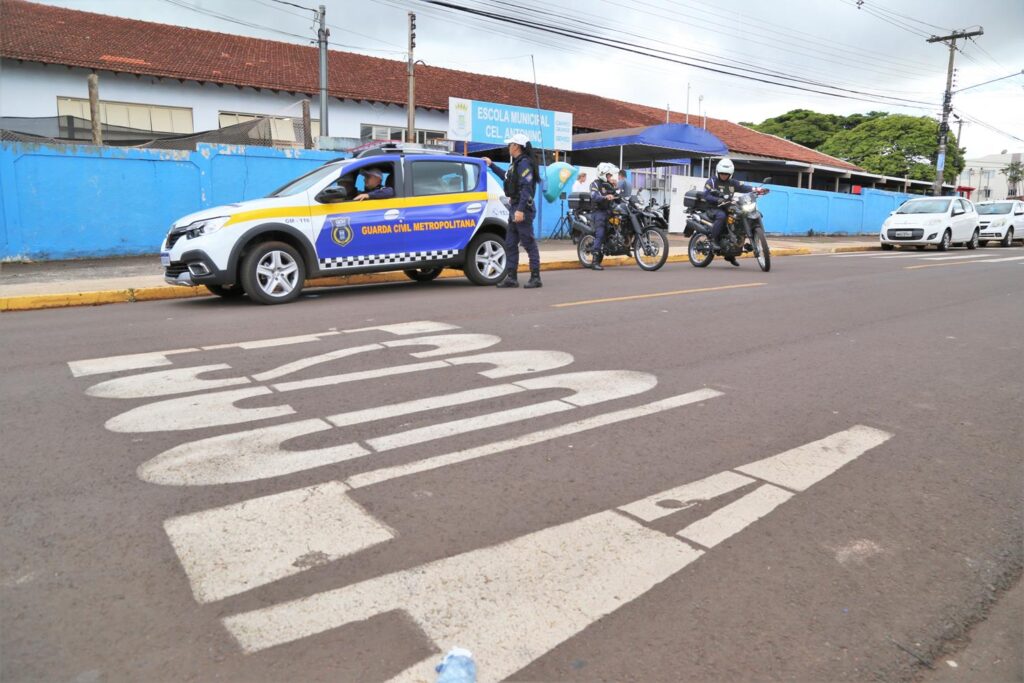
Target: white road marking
pixel 799 468
pixel 135 361
pixel 234 548
pixel 685 496
pixel 343 378
pixel 512 363
pixel 1002 260
pixel 446 344
pixel 270 343
pixel 586 424
pixel 508 604
pixel 164 383
pixel 920 255
pixel 513 602
pixel 953 258
pixel 421 404
pixel 467 424
pixel 595 387
pixel 155 359
pixel 195 412
pixel 244 456
pixel 854 255
pixel 736 516
pixel 303 363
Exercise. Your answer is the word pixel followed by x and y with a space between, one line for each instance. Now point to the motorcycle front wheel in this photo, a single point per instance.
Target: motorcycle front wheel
pixel 700 251
pixel 761 251
pixel 583 251
pixel 651 249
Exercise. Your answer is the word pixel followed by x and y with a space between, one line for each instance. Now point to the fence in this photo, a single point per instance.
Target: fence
pixel 796 211
pixel 77 201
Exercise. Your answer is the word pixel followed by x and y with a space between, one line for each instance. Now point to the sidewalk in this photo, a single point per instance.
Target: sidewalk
pixel 56 284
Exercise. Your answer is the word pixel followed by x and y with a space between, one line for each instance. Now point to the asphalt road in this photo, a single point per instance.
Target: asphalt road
pixel 629 524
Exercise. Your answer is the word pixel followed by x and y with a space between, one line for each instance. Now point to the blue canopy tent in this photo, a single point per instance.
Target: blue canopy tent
pixel 645 146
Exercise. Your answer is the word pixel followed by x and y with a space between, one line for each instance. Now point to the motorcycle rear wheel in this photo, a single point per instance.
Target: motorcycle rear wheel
pixel 651 249
pixel 762 253
pixel 699 251
pixel 583 251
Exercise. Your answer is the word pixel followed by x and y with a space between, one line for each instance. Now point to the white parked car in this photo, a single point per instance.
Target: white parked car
pixel 1003 221
pixel 942 221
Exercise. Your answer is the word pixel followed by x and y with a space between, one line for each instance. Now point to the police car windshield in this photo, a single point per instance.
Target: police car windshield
pixel 303 183
pixel 925 206
pixel 1001 207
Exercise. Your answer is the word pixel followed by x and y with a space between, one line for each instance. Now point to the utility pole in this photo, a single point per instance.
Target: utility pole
pixel 94 109
pixel 322 35
pixel 668 109
pixel 687 104
pixel 410 128
pixel 947 102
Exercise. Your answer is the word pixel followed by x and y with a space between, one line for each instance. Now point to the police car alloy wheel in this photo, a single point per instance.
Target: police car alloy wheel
pixel 273 273
pixel 423 274
pixel 485 259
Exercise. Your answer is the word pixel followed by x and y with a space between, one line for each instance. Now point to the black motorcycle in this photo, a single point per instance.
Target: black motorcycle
pixel 744 229
pixel 632 230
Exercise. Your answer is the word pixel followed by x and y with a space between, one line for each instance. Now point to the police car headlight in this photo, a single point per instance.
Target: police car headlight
pixel 206 226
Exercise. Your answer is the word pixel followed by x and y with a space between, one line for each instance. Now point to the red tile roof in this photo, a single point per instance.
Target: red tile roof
pixel 55 35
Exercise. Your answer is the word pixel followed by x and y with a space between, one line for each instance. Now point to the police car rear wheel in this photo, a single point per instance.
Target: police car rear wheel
pixel 485 259
pixel 423 274
pixel 273 273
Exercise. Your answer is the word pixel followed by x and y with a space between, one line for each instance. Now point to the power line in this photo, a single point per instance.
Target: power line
pixel 886 10
pixel 285 2
pixel 675 58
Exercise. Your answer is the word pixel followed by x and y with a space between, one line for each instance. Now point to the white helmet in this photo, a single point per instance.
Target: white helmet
pixel 604 168
pixel 725 166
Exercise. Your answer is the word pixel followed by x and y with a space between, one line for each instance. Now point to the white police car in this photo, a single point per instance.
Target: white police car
pixel 446 212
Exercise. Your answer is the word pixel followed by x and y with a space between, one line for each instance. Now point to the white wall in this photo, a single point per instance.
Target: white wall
pixel 31 89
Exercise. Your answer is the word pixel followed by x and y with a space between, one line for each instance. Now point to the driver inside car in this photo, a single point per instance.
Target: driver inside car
pixel 717 192
pixel 372 179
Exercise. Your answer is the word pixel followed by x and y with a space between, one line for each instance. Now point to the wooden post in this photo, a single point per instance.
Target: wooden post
pixel 94 109
pixel 307 126
pixel 465 148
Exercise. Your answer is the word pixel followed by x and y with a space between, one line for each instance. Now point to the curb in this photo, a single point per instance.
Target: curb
pixel 34 302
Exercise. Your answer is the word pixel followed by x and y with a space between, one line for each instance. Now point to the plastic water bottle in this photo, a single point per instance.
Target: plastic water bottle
pixel 457 667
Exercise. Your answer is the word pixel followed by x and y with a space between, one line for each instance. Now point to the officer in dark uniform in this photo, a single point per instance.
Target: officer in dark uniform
pixel 717 191
pixel 602 193
pixel 520 187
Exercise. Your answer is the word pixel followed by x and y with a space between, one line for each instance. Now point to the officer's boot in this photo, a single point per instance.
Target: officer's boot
pixel 534 282
pixel 598 257
pixel 510 280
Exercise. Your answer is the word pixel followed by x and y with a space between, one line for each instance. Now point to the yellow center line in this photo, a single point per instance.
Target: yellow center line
pixel 633 297
pixel 936 265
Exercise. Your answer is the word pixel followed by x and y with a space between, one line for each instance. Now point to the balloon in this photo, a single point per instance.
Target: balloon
pixel 559 175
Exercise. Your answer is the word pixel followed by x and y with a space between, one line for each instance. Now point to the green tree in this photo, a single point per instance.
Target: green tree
pixel 802 126
pixel 896 145
pixel 1014 173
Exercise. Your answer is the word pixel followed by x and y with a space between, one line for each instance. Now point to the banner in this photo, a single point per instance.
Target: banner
pixel 489 122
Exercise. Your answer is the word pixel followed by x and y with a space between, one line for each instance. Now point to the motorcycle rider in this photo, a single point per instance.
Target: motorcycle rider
pixel 717 192
pixel 602 194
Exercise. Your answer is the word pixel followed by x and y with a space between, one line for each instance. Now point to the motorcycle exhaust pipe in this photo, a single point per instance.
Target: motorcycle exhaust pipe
pixel 693 225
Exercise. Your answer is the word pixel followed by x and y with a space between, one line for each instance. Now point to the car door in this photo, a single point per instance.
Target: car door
pixel 960 219
pixel 446 201
pixel 1018 220
pixel 359 234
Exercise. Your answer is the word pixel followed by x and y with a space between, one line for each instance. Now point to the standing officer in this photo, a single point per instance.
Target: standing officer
pixel 520 188
pixel 625 187
pixel 602 193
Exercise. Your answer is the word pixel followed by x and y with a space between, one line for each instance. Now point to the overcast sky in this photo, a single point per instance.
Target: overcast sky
pixel 829 41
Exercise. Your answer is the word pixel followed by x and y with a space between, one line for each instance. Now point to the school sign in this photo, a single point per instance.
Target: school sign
pixel 489 122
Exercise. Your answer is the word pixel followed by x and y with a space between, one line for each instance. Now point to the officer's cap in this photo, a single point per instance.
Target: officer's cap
pixel 372 171
pixel 519 139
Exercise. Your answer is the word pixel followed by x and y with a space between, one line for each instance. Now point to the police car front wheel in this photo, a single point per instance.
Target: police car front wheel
pixel 485 259
pixel 273 273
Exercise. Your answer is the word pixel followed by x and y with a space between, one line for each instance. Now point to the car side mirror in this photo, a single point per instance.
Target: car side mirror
pixel 958 212
pixel 766 180
pixel 332 194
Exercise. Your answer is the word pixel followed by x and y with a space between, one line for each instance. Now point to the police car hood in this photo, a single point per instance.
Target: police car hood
pixel 231 209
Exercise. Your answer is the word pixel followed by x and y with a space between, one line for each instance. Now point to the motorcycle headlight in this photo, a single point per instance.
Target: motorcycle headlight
pixel 206 226
pixel 748 207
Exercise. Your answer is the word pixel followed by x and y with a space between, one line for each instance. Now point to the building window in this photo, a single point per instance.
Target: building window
pixel 150 117
pixel 369 132
pixel 283 129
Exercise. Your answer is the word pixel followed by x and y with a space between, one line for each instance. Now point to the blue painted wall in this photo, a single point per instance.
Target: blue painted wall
pixel 794 211
pixel 76 201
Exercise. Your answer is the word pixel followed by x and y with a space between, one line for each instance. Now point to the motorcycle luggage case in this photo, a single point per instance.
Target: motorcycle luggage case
pixel 580 201
pixel 693 199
